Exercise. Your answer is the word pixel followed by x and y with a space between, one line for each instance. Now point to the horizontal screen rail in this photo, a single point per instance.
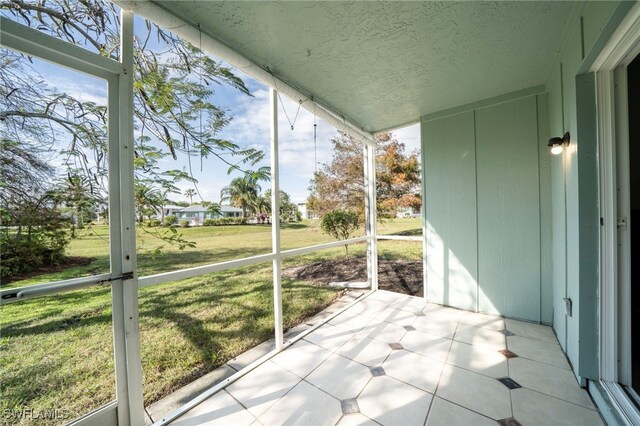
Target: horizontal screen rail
pixel 398 237
pixel 38 290
pixel 35 43
pixel 318 247
pixel 182 274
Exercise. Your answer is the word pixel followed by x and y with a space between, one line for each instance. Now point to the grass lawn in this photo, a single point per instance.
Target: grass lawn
pixel 56 351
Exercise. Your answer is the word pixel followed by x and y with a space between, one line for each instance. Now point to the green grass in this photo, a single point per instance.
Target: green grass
pixel 56 351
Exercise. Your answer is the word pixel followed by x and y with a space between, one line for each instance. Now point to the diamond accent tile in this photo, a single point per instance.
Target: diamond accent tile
pixel 409 328
pixel 510 383
pixel 507 353
pixel 420 314
pixel 396 346
pixel 377 371
pixel 509 422
pixel 349 406
pixel 507 332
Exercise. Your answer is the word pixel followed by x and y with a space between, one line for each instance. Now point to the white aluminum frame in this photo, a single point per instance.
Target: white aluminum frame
pixel 615 319
pixel 195 34
pixel 128 408
pixel 371 219
pixel 275 223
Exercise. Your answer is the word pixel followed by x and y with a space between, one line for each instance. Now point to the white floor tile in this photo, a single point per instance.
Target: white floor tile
pixel 356 419
pixel 480 336
pixel 483 320
pixel 443 312
pixel 350 321
pixel 368 308
pixel 220 409
pixel 397 316
pixel 301 358
pixel 340 377
pixel 303 405
pixel 262 387
pixel 549 353
pixel 440 327
pixel 417 370
pixel 425 344
pixel 444 413
pixel 534 408
pixel 385 332
pixel 329 337
pixel 385 297
pixel 365 350
pixel 476 392
pixel 478 358
pixel 390 402
pixel 549 380
pixel 411 304
pixel 532 331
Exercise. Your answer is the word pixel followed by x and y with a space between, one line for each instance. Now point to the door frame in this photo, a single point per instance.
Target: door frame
pixel 613 139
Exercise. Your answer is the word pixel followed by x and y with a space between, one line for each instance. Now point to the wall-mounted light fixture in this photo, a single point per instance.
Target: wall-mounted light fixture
pixel 556 144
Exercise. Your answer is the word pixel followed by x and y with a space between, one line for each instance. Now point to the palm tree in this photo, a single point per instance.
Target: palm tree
pixel 242 192
pixel 190 193
pixel 214 210
pixel 147 200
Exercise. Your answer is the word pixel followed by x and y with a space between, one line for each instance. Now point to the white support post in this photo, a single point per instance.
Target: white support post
pixel 275 223
pixel 423 216
pixel 371 215
pixel 126 325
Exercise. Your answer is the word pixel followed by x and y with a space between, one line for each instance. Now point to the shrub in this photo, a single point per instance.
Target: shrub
pixel 170 220
pixel 340 224
pixel 184 223
pixel 153 222
pixel 44 247
pixel 223 221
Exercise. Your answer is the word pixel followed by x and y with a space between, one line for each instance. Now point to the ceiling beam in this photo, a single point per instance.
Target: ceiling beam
pixel 198 36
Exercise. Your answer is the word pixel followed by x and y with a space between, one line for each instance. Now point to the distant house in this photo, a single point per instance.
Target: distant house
pixel 408 212
pixel 307 214
pixel 197 213
pixel 171 210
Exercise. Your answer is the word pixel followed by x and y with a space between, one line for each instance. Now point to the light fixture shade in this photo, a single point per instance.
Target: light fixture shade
pixel 557 143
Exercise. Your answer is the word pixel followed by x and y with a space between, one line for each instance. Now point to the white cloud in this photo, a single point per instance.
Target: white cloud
pixel 410 136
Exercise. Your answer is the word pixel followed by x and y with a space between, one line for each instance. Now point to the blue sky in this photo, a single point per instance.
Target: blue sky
pixel 250 126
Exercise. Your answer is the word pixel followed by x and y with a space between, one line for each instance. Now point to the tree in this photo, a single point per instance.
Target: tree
pixel 214 209
pixel 190 192
pixel 340 184
pixel 80 196
pixel 32 232
pixel 288 210
pixel 242 192
pixel 148 201
pixel 174 113
pixel 340 224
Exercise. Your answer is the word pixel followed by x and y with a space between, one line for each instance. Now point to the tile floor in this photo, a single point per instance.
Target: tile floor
pixel 394 360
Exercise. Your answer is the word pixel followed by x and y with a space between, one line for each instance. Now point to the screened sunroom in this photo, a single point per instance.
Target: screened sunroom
pixel 526 303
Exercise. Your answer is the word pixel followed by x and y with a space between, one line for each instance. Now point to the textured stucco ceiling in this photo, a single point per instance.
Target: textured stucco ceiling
pixel 387 63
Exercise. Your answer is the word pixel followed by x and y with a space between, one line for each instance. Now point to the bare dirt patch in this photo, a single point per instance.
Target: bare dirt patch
pixel 400 276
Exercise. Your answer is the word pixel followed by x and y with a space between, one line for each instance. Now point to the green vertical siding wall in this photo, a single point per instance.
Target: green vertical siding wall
pixel 483 190
pixel 487 169
pixel 508 209
pixel 450 162
pixel 574 182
